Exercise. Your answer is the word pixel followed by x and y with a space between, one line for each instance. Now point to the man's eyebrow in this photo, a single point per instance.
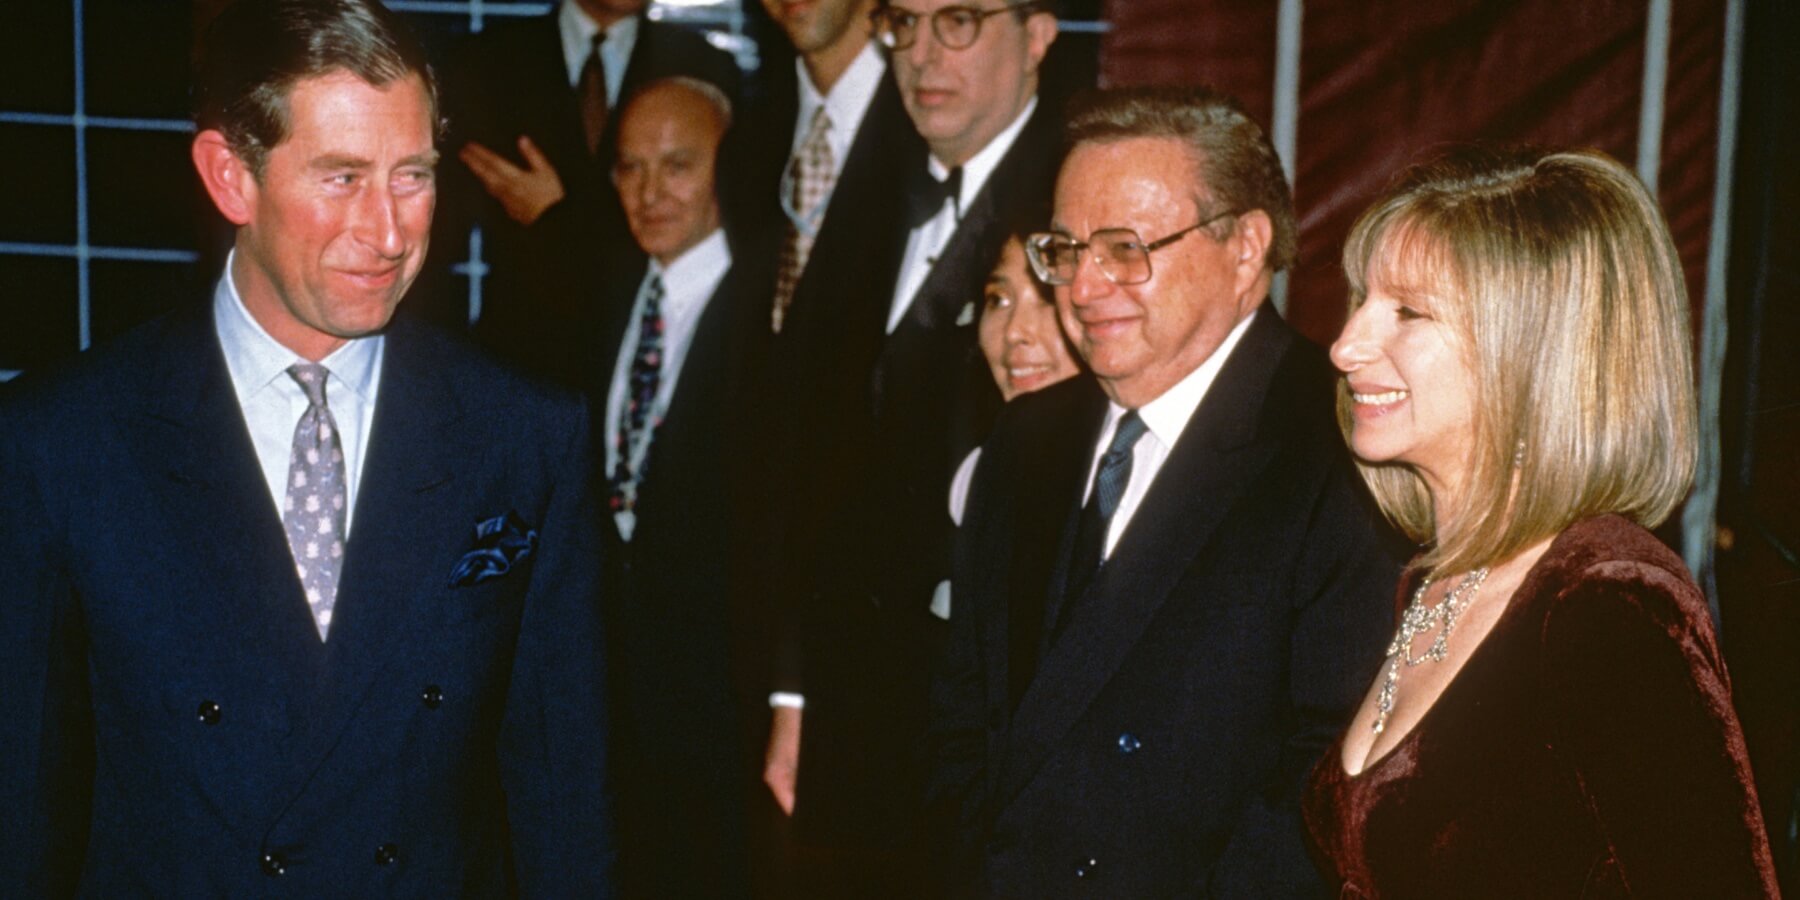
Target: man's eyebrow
pixel 429 159
pixel 1061 229
pixel 338 161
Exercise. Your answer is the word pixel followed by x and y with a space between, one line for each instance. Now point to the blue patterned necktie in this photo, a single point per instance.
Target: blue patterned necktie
pixel 313 511
pixel 1096 517
pixel 637 416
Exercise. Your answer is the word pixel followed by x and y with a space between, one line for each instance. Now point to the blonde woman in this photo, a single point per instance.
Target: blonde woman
pixel 1553 718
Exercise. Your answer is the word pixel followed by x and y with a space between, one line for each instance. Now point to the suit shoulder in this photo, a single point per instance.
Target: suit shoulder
pixel 479 374
pixel 94 378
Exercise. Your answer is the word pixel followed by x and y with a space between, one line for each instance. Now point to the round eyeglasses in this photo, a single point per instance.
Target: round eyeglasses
pixel 956 27
pixel 1123 257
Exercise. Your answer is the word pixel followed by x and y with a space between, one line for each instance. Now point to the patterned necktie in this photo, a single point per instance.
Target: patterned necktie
pixel 313 512
pixel 592 96
pixel 809 180
pixel 1096 517
pixel 635 419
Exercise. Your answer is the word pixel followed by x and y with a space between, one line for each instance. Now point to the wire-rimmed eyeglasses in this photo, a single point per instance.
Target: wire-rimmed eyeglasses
pixel 956 27
pixel 1123 257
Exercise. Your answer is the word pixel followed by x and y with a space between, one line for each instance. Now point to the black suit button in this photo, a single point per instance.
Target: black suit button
pixel 208 712
pixel 1129 743
pixel 273 864
pixel 1085 868
pixel 432 696
pixel 386 854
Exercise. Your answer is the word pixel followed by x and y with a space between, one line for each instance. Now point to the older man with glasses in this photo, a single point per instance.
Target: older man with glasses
pixel 886 391
pixel 1168 580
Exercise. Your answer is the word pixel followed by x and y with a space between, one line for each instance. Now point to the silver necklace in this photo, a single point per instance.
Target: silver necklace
pixel 1420 619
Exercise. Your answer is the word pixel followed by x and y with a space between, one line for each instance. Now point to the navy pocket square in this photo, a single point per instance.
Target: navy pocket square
pixel 501 543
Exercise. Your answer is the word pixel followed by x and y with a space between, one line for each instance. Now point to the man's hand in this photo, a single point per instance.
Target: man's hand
pixel 524 193
pixel 782 762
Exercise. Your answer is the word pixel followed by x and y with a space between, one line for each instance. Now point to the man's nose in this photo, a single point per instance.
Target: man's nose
pixel 1089 283
pixel 378 222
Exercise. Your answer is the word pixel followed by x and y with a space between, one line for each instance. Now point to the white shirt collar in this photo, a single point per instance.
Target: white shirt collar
pixel 847 102
pixel 578 35
pixel 1167 415
pixel 255 359
pixel 690 278
pixel 975 172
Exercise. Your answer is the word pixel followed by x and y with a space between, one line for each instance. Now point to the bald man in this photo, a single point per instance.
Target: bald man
pixel 669 349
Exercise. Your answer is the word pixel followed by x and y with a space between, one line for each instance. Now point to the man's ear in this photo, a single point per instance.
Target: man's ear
pixel 1252 238
pixel 228 178
pixel 1040 33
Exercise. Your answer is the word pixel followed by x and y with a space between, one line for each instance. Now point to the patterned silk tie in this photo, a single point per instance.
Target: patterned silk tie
pixel 592 96
pixel 313 512
pixel 809 182
pixel 636 422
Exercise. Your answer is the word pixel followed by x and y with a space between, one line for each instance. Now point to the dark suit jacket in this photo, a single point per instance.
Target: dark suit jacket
pixel 170 718
pixel 680 634
pixel 510 80
pixel 1160 748
pixel 891 417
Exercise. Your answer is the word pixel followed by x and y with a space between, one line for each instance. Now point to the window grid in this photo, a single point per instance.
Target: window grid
pixel 472 267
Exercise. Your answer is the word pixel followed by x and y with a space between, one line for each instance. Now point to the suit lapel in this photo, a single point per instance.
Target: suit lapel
pixel 197 457
pixel 414 451
pixel 1215 461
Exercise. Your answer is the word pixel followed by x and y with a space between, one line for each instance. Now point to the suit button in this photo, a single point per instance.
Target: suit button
pixel 386 854
pixel 1129 743
pixel 1085 868
pixel 208 712
pixel 432 696
pixel 273 864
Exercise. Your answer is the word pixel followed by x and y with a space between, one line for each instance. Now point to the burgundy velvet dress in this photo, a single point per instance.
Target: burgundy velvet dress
pixel 1587 748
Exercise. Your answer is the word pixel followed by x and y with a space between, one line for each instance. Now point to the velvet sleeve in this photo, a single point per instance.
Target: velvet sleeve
pixel 1638 707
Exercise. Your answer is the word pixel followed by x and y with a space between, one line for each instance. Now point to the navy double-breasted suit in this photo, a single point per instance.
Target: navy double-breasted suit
pixel 171 724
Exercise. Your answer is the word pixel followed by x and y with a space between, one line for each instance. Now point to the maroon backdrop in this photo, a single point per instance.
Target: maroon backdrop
pixel 1384 82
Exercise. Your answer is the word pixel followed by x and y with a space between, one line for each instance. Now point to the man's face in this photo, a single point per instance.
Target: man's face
pixel 336 226
pixel 1141 339
pixel 961 99
pixel 668 140
pixel 815 25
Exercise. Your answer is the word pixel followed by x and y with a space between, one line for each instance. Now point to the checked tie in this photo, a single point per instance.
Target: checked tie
pixel 313 511
pixel 809 180
pixel 637 418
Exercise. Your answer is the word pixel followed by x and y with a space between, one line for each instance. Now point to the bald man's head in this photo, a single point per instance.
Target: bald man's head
pixel 669 134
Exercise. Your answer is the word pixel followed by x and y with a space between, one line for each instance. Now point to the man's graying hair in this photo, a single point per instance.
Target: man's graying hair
pixel 255 51
pixel 1237 164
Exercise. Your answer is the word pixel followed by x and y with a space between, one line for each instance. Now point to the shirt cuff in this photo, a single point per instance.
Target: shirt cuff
pixel 787 699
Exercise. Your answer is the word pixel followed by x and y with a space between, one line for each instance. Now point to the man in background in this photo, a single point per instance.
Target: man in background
pixel 533 105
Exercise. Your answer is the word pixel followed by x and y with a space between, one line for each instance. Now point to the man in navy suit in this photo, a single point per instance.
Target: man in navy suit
pixel 302 602
pixel 1169 585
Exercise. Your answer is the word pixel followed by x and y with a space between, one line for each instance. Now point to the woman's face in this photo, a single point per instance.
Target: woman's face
pixel 1413 394
pixel 1020 336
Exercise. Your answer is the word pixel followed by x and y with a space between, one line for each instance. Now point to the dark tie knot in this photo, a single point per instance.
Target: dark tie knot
pixel 1131 427
pixel 594 45
pixel 926 196
pixel 311 378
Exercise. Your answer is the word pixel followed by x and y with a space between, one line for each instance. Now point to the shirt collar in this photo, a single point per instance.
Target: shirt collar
pixel 1167 415
pixel 983 163
pixel 701 266
pixel 255 360
pixel 578 35
pixel 850 96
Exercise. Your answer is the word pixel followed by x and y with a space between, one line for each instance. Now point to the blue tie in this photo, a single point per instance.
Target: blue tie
pixel 636 422
pixel 1096 517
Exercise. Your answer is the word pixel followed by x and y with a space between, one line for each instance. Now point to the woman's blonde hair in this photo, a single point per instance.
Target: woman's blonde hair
pixel 1557 272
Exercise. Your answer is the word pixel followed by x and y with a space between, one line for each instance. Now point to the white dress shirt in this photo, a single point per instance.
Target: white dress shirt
pixel 846 104
pixel 615 52
pixel 688 283
pixel 273 402
pixel 927 241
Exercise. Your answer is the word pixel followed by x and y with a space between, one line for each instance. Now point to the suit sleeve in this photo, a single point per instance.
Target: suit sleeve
pixel 553 735
pixel 46 731
pixel 1640 708
pixel 1346 571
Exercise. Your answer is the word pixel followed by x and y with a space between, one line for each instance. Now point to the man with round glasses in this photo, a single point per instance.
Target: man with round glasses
pixel 1168 579
pixel 883 405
